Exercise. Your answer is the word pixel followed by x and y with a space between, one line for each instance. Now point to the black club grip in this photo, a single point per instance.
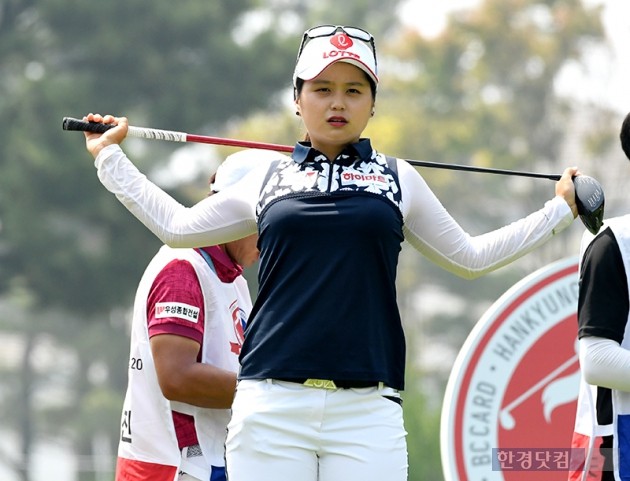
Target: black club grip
pixel 75 124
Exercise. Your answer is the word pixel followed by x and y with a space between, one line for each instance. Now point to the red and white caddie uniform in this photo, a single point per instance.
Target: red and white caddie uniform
pixel 148 447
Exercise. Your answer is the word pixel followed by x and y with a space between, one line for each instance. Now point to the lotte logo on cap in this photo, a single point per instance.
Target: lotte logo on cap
pixel 514 386
pixel 341 41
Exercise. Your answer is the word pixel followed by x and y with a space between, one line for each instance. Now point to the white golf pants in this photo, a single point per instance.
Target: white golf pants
pixel 283 431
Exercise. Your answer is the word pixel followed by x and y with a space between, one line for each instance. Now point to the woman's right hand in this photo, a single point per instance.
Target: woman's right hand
pixel 96 142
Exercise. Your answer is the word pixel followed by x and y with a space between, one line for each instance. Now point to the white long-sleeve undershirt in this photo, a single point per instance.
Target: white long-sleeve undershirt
pixel 230 215
pixel 605 363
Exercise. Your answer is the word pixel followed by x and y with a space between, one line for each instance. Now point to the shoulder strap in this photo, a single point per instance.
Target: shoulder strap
pixel 392 164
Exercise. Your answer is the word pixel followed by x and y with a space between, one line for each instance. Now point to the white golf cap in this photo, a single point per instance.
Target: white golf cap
pixel 320 52
pixel 238 165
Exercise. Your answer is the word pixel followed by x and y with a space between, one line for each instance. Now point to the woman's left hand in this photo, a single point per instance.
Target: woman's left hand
pixel 566 189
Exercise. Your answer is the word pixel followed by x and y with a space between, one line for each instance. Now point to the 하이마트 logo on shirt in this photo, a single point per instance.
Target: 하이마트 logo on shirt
pixel 360 179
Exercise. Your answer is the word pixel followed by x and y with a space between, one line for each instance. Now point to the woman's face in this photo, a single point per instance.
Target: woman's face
pixel 335 107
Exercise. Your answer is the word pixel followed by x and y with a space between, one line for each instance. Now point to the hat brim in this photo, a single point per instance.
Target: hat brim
pixel 314 70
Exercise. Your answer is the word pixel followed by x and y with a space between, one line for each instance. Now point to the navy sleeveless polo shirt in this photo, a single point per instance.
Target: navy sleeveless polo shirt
pixel 330 235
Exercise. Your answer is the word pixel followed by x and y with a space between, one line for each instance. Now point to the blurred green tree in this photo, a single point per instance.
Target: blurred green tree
pixel 65 244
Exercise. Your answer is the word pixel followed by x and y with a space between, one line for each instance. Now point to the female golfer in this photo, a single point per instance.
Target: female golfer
pixel 323 361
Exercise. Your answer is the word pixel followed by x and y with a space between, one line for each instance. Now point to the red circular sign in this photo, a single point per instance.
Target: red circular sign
pixel 513 390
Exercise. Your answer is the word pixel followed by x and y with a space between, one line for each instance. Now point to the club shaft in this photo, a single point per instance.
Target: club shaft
pixel 172 136
pixel 203 139
pixel 485 170
pixel 70 123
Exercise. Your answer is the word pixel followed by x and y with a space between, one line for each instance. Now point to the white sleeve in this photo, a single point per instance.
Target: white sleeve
pixel 220 218
pixel 432 230
pixel 605 363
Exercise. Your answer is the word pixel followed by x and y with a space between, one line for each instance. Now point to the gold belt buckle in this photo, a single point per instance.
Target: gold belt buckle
pixel 320 384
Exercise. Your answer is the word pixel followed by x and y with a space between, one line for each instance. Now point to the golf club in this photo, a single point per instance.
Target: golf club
pixel 589 195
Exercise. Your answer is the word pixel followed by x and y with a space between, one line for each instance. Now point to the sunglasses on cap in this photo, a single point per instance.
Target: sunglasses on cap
pixel 330 30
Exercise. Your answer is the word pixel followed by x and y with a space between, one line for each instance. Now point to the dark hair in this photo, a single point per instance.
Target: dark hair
pixel 299 84
pixel 624 136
